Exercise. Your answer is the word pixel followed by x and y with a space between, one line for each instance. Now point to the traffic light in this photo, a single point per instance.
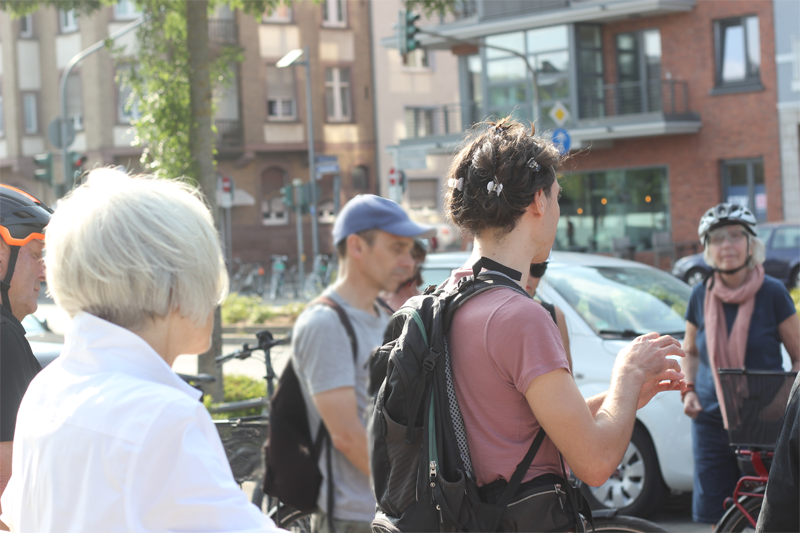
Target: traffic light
pixel 407 31
pixel 77 161
pixel 288 196
pixel 45 170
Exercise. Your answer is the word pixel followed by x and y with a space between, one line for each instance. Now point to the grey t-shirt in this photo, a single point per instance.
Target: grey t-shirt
pixel 323 359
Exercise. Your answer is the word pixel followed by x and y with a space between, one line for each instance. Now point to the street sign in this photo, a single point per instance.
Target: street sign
pixel 225 197
pixel 326 159
pixel 327 168
pixel 54 133
pixel 559 114
pixel 562 140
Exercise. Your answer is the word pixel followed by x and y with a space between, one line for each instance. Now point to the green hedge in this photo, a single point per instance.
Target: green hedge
pixel 238 387
pixel 238 309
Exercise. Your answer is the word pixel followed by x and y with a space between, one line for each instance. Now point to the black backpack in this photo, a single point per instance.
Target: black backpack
pixel 421 468
pixel 291 458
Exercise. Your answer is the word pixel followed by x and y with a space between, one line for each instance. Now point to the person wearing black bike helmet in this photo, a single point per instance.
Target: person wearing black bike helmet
pixel 22 222
pixel 393 301
pixel 738 318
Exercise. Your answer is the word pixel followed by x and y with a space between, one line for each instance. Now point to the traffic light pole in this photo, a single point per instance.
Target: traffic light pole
pixel 312 163
pixel 67 164
pixel 298 215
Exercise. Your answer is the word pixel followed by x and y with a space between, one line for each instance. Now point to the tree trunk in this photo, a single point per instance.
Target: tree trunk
pixel 201 146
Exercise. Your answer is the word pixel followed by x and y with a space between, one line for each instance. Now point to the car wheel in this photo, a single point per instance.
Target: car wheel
pixel 636 487
pixel 695 276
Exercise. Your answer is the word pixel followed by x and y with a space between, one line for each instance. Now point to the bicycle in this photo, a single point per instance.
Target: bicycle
pixel 319 278
pixel 248 278
pixel 278 277
pixel 755 402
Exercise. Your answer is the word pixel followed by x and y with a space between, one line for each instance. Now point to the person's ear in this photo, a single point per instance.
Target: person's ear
pixel 355 246
pixel 537 204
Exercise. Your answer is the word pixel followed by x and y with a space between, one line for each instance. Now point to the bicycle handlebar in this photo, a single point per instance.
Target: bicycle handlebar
pixel 265 343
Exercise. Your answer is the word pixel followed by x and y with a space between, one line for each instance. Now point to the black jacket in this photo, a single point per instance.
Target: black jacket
pixel 18 367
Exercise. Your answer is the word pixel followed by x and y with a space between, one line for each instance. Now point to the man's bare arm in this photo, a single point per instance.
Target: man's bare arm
pixel 339 411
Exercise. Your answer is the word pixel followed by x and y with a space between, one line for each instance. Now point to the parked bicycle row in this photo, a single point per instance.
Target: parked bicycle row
pixel 284 281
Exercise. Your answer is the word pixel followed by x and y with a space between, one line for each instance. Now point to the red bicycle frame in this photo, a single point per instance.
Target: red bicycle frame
pixel 746 485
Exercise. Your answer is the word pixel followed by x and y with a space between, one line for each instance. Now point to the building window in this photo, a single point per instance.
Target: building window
pixel 743 184
pixel 334 13
pixel 281 14
pixel 337 94
pixel 420 122
pixel 26 26
pixel 75 100
pixel 589 51
pixel 273 210
pixel 422 194
pixel 738 51
pixel 638 88
pixel 281 93
pixel 418 59
pixel 598 207
pixel 30 113
pixel 126 10
pixel 127 105
pixel 67 21
pixel 360 178
pixel 510 86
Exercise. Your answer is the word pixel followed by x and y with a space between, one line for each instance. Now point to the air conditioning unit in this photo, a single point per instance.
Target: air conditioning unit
pixel 77 122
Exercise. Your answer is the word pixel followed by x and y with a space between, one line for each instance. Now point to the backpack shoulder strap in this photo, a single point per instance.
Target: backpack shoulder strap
pixel 345 320
pixel 382 303
pixel 471 286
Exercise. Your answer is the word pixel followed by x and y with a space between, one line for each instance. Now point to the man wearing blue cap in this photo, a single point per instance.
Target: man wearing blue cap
pixel 374 238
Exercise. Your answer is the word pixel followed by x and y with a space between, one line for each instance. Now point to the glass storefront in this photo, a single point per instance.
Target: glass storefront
pixel 598 207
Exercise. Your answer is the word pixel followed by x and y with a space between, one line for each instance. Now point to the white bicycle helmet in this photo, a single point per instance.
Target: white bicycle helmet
pixel 725 215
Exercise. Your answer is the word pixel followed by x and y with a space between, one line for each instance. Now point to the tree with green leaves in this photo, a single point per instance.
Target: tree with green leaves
pixel 172 82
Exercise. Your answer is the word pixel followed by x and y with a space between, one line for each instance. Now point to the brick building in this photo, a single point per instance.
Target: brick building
pixel 670 106
pixel 260 114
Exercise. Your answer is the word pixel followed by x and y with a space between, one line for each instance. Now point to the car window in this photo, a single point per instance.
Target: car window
pixel 787 238
pixel 435 276
pixel 764 234
pixel 33 326
pixel 623 302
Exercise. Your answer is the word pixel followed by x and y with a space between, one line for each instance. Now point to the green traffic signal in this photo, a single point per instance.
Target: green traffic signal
pixel 410 31
pixel 288 196
pixel 45 172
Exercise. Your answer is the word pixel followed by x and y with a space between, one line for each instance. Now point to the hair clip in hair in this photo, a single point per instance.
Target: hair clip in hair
pixel 533 165
pixel 456 183
pixel 494 186
pixel 498 129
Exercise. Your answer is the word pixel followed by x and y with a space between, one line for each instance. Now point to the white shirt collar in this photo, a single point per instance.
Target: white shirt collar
pixel 102 346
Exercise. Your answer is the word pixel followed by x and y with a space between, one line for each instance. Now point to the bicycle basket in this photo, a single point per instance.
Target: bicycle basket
pixel 242 439
pixel 755 402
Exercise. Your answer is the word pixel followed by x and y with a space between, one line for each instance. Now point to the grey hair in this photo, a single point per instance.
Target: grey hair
pixel 758 252
pixel 130 249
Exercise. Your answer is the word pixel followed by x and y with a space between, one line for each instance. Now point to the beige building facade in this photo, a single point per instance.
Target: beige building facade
pixel 261 114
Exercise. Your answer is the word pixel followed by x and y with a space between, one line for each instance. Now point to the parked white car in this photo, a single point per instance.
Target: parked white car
pixel 608 302
pixel 45 344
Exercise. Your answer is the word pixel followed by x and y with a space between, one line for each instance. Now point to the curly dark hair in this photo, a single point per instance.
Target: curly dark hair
pixel 508 154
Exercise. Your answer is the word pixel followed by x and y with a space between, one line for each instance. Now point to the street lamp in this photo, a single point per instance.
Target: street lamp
pixel 286 61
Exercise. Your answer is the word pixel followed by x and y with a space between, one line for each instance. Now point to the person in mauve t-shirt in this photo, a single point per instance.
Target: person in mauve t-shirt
pixel 510 369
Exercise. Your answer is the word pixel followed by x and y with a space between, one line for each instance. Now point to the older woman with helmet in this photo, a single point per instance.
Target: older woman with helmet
pixel 738 318
pixel 108 437
pixel 395 300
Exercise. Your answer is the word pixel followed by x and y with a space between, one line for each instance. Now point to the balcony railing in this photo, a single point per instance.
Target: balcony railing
pixel 494 9
pixel 223 31
pixel 436 121
pixel 229 133
pixel 670 97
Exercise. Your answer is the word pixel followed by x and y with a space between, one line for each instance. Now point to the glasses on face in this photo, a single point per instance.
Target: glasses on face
pixel 733 237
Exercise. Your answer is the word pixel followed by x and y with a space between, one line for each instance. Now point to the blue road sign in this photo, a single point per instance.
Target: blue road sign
pixel 562 140
pixel 326 159
pixel 327 168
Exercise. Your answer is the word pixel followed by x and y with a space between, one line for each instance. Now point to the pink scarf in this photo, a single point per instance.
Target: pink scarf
pixel 728 351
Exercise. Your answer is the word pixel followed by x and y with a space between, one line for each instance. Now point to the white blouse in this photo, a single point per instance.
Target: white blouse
pixel 109 438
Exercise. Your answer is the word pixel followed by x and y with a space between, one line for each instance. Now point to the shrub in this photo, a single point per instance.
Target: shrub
pixel 237 309
pixel 238 387
pixel 796 298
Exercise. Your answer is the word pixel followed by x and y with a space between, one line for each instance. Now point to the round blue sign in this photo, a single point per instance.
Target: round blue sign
pixel 562 140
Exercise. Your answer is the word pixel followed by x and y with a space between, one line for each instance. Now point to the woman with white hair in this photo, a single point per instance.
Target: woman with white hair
pixel 738 318
pixel 109 438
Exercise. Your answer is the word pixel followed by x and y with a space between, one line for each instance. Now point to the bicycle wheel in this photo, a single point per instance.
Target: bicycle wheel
pixel 290 519
pixel 312 287
pixel 734 521
pixel 626 524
